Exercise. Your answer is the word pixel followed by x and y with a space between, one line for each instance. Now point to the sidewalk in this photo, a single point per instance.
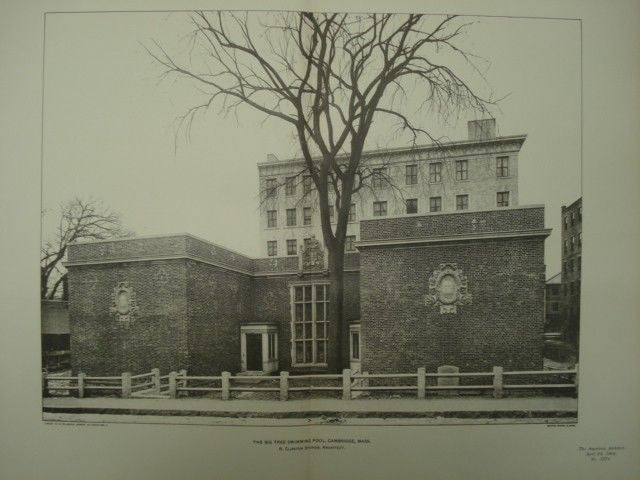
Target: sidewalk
pixel 451 407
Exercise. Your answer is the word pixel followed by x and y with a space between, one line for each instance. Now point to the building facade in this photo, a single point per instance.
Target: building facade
pixel 554 306
pixel 572 266
pixel 480 173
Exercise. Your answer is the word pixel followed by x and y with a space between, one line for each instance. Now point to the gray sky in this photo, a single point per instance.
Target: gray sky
pixel 109 126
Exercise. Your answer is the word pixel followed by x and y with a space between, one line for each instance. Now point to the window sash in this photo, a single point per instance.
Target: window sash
pixel 435 172
pixel 502 166
pixel 462 170
pixel 292 247
pixel 291 217
pixel 352 212
pixel 411 174
pixel 379 209
pixel 462 202
pixel 349 241
pixel 378 177
pixel 310 323
pixel 272 248
pixel 306 216
pixel 272 218
pixel 412 205
pixel 290 186
pixel 435 204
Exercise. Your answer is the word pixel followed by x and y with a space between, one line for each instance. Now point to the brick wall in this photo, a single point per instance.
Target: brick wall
pixel 419 226
pixel 218 300
pixel 502 326
pixel 100 345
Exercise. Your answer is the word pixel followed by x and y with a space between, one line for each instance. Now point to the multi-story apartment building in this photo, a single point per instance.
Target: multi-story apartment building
pixel 480 173
pixel 572 266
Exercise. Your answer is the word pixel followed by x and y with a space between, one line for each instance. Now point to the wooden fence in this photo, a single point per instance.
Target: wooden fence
pixel 176 384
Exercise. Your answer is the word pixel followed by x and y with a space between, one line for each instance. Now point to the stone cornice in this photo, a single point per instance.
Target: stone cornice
pixel 516 140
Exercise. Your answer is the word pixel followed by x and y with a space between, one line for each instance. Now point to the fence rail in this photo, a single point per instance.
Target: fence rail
pixel 176 384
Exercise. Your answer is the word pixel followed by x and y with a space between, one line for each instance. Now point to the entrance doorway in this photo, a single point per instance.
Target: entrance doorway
pixel 258 348
pixel 254 351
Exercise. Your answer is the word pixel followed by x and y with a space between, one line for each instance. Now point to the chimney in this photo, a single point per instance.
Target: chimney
pixel 482 129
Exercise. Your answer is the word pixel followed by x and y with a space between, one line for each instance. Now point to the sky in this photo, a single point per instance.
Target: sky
pixel 110 126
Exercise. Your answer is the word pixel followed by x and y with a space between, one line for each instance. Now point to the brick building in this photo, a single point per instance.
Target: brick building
pixel 554 306
pixel 571 267
pixel 479 173
pixel 464 289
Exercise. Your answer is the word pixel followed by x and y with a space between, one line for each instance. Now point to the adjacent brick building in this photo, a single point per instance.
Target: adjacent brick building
pixel 571 267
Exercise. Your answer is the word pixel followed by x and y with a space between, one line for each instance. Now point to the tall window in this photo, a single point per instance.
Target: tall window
pixel 292 247
pixel 352 212
pixel 462 169
pixel 291 217
pixel 272 218
pixel 272 248
pixel 379 209
pixel 290 186
pixel 502 167
pixel 462 202
pixel 412 205
pixel 349 243
pixel 310 322
pixel 435 172
pixel 307 184
pixel 355 345
pixel 411 174
pixel 435 204
pixel 503 199
pixel 271 187
pixel 306 213
pixel 378 177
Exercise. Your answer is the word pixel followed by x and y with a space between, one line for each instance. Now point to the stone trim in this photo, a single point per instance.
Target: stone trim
pixel 452 238
pixel 455 212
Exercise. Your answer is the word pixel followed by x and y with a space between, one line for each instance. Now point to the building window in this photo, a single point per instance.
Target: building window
pixel 573 243
pixel 555 307
pixel 462 170
pixel 502 167
pixel 411 174
pixel 379 175
pixel 566 222
pixel 355 345
pixel 307 184
pixel 412 205
pixel 462 202
pixel 310 322
pixel 272 248
pixel 271 346
pixel 352 212
pixel 349 243
pixel 435 172
pixel 379 209
pixel 503 199
pixel 306 213
pixel 291 217
pixel 272 218
pixel 292 247
pixel 290 186
pixel 272 187
pixel 435 204
pixel 573 218
pixel 331 210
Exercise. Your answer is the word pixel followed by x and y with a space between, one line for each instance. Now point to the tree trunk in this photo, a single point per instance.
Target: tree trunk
pixel 336 312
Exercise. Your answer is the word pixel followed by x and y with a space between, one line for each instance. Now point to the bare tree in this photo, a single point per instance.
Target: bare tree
pixel 327 77
pixel 79 220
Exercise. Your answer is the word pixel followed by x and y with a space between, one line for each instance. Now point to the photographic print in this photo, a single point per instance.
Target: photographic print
pixel 295 218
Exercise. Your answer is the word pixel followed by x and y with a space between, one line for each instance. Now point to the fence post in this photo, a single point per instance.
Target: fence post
pixel 225 385
pixel 497 382
pixel 576 381
pixel 126 385
pixel 173 384
pixel 81 384
pixel 284 386
pixel 156 379
pixel 183 383
pixel 346 384
pixel 422 382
